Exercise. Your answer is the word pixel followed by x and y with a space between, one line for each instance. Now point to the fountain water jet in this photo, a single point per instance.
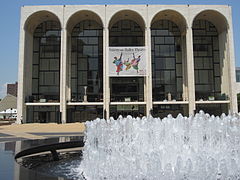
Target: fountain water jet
pixel 196 147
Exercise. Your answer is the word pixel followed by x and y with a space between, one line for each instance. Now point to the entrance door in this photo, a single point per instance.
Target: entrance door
pixel 125 110
pixel 43 117
pixel 127 89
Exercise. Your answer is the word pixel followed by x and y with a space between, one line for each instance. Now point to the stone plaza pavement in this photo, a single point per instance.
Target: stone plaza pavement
pixel 17 132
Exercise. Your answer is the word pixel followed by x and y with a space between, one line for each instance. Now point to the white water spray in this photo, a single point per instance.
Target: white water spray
pixel 199 147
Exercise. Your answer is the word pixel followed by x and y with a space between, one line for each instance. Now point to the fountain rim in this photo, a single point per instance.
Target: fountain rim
pixel 50 147
pixel 34 148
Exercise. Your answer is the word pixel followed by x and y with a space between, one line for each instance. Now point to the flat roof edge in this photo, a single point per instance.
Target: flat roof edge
pixel 211 5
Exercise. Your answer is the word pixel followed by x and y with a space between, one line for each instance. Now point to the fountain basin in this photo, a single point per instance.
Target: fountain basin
pixel 36 159
pixel 196 147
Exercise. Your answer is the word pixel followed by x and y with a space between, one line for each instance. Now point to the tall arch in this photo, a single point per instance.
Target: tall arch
pixel 37 18
pixel 85 61
pixel 168 63
pixel 42 59
pixel 210 29
pixel 81 16
pixel 173 16
pixel 126 28
pixel 215 17
pixel 127 14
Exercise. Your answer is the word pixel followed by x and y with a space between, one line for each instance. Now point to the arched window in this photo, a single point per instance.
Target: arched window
pixel 87 61
pixel 126 33
pixel 46 61
pixel 166 60
pixel 206 60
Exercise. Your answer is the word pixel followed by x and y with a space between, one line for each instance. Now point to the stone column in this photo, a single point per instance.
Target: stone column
pixel 190 71
pixel 231 68
pixel 25 73
pixel 184 67
pixel 63 76
pixel 69 68
pixel 21 98
pixel 148 85
pixel 106 88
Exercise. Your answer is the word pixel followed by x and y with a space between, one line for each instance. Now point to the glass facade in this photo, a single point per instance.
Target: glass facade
pixel 84 113
pixel 87 61
pixel 88 53
pixel 43 114
pixel 166 109
pixel 166 60
pixel 46 61
pixel 213 109
pixel 125 110
pixel 126 33
pixel 127 89
pixel 237 74
pixel 206 60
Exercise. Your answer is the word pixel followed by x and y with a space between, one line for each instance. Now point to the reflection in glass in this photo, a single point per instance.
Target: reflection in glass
pixel 174 109
pixel 46 61
pixel 87 61
pixel 127 89
pixel 43 114
pixel 206 60
pixel 166 60
pixel 213 109
pixel 125 110
pixel 237 74
pixel 84 113
pixel 126 33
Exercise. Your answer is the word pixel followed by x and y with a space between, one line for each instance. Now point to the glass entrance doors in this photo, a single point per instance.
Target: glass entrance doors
pixel 125 94
pixel 134 110
pixel 127 89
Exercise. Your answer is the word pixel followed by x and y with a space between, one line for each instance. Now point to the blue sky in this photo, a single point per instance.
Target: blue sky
pixel 10 18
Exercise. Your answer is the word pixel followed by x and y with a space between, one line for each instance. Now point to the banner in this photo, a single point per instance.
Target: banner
pixel 127 61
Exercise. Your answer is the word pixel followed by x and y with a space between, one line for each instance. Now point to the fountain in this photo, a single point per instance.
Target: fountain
pixel 196 147
pixel 200 147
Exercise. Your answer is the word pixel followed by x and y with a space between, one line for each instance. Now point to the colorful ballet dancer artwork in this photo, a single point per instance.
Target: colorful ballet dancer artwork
pixel 135 62
pixel 127 61
pixel 118 63
pixel 127 64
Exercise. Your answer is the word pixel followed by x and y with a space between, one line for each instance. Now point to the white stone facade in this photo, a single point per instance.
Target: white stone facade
pixel 144 15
